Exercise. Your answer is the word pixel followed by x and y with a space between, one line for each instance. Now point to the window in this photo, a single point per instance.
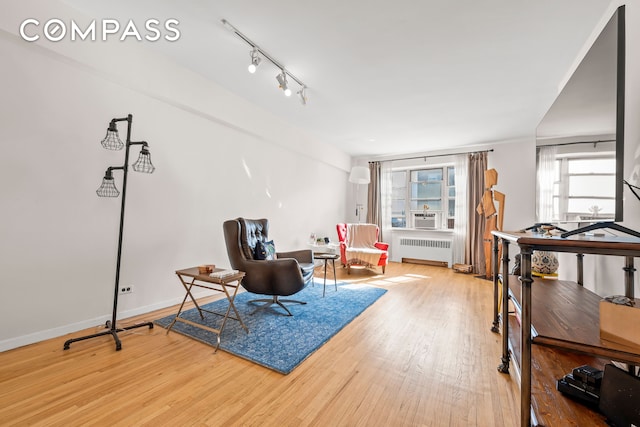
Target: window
pixel 428 192
pixel 584 188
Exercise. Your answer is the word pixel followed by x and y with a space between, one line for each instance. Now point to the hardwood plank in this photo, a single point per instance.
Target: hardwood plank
pixel 551 407
pixel 421 355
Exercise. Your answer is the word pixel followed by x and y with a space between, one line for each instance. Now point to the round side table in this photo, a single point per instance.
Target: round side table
pixel 326 257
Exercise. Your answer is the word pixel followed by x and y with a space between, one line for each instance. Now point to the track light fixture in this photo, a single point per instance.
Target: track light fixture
pixel 302 93
pixel 258 53
pixel 283 83
pixel 255 60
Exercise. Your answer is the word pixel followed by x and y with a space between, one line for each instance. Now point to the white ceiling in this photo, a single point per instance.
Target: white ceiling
pixel 385 77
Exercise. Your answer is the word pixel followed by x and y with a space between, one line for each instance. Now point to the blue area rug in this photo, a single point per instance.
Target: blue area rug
pixel 275 341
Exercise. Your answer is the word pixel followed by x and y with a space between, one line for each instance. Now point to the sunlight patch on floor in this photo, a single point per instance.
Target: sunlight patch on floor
pixel 418 276
pixel 396 280
pixel 356 285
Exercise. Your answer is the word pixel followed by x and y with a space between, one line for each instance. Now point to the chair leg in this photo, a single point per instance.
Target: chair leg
pixel 383 268
pixel 275 300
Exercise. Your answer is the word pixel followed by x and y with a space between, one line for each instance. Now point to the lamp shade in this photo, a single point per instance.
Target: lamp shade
pixel 360 175
pixel 112 141
pixel 143 164
pixel 108 188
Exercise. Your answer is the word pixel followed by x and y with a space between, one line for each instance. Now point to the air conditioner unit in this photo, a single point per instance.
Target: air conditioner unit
pixel 426 220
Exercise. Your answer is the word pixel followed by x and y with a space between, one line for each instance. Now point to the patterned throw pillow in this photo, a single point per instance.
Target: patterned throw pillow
pixel 270 247
pixel 264 250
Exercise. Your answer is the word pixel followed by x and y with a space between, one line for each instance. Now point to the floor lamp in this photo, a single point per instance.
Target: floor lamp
pixel 359 175
pixel 108 189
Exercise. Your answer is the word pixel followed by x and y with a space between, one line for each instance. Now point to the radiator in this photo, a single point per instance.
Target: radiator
pixel 437 251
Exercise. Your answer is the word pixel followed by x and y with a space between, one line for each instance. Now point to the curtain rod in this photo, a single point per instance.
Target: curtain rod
pixel 437 155
pixel 577 142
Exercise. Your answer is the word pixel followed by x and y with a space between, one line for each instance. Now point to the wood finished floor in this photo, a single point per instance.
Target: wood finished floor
pixel 422 355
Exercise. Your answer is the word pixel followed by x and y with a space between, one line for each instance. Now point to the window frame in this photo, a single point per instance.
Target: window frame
pixel 562 190
pixel 445 220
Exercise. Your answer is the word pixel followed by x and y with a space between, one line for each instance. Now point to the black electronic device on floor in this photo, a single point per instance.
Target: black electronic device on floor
pixel 583 384
pixel 620 397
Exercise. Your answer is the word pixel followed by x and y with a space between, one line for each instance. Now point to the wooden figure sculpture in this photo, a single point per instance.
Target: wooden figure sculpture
pixel 494 217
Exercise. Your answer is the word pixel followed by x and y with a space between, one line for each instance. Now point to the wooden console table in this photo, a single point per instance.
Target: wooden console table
pixel 560 316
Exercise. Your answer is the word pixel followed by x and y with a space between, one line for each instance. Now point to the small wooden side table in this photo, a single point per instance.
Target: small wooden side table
pixel 326 257
pixel 228 285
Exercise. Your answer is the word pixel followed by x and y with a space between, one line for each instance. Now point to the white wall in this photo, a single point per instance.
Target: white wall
pixel 217 157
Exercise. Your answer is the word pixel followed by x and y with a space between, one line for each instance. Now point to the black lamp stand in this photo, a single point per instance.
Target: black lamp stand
pixel 108 190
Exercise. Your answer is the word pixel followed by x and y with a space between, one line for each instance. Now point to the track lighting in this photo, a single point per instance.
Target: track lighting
pixel 283 84
pixel 302 93
pixel 258 53
pixel 255 61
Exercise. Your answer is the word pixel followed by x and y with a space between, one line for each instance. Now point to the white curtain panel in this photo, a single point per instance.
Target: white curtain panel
pixel 545 180
pixel 385 201
pixel 461 164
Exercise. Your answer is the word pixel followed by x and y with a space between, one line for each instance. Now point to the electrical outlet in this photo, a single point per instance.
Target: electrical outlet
pixel 126 289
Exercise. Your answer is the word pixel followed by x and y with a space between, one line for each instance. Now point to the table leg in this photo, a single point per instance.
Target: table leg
pixel 187 287
pixel 324 285
pixel 335 281
pixel 496 303
pixel 505 359
pixel 525 340
pixel 233 305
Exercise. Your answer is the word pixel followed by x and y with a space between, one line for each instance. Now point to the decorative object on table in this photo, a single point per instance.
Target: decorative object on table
pixel 281 343
pixel 359 246
pixel 595 210
pixel 547 230
pixel 544 262
pixel 359 175
pixel 540 227
pixel 287 274
pixel 206 269
pixel 494 217
pixel 112 141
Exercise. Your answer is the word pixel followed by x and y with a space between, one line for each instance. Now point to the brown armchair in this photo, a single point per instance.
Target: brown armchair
pixel 286 275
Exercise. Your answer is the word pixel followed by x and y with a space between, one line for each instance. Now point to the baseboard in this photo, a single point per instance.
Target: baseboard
pixel 21 341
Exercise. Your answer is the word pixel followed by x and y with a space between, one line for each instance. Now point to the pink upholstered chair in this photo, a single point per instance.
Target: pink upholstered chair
pixel 347 251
